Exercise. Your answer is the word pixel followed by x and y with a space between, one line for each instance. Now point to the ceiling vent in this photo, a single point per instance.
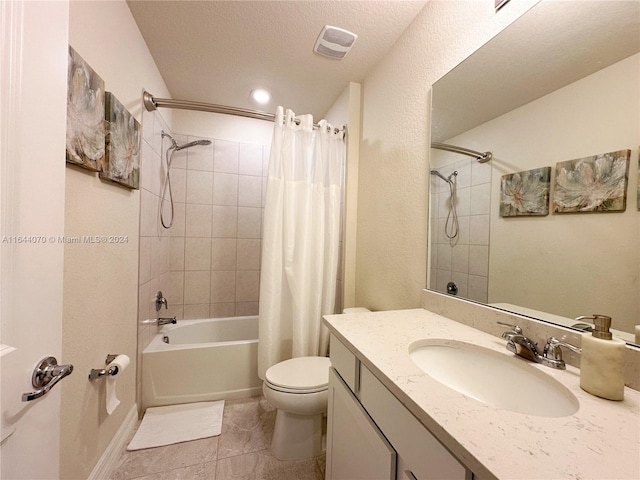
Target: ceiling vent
pixel 334 42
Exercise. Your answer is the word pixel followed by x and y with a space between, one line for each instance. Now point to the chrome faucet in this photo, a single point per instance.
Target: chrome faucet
pixel 166 321
pixel 160 300
pixel 522 346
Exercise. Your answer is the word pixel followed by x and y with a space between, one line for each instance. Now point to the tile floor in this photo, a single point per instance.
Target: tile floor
pixel 241 452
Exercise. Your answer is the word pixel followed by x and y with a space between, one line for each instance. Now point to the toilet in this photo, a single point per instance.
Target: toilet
pixel 298 389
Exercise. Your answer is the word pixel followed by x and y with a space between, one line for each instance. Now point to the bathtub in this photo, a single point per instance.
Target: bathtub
pixel 211 359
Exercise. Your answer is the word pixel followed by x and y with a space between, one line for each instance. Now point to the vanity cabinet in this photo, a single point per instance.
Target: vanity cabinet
pixel 356 448
pixel 371 435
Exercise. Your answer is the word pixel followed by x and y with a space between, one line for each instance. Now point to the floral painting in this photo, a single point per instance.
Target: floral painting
pixel 85 114
pixel 122 160
pixel 525 193
pixel 592 184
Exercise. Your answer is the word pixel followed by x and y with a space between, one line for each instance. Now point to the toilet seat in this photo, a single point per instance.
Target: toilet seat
pixel 299 375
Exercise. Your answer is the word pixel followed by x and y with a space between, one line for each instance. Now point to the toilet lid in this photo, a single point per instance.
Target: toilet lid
pixel 301 373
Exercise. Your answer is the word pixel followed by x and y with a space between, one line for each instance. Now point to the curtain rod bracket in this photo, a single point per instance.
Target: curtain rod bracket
pixel 149 102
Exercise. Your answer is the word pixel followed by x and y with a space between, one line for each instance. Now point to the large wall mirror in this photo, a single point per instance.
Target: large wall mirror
pixel 561 83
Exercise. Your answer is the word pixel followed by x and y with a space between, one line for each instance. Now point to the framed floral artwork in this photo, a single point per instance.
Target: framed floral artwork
pixel 85 114
pixel 525 193
pixel 592 184
pixel 122 160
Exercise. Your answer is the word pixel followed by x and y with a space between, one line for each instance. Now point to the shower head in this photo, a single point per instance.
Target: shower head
pixel 193 144
pixel 446 179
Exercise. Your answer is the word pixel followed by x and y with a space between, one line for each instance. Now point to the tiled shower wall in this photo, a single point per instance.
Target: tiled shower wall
pixel 467 262
pixel 215 241
pixel 154 240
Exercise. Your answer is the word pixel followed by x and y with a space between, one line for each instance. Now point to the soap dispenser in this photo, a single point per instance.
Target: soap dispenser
pixel 602 361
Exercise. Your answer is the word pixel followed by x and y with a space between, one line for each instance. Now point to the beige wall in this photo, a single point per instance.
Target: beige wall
pixel 392 198
pixel 101 281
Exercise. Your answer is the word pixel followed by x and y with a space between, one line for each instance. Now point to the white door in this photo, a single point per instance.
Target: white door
pixel 33 48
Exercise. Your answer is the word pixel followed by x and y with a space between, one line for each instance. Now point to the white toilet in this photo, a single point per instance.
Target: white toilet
pixel 298 388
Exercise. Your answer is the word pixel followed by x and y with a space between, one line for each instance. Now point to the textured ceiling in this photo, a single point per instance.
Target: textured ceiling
pixel 218 51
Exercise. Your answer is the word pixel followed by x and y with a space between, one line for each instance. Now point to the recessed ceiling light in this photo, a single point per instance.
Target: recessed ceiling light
pixel 260 95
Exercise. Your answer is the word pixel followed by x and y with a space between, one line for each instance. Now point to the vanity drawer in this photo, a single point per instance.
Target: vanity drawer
pixel 345 362
pixel 424 456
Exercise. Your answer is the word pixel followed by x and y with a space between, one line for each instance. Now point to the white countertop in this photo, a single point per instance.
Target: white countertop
pixel 600 441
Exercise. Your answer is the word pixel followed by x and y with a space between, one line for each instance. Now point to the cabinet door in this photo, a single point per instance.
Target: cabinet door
pixel 422 454
pixel 356 449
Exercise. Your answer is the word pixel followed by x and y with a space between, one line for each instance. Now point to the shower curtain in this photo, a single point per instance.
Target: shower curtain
pixel 300 245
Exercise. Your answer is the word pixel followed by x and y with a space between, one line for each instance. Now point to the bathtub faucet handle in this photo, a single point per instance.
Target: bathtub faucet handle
pixel 160 300
pixel 165 321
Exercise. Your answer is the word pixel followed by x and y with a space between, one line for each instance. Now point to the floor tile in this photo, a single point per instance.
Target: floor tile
pixel 202 471
pixel 240 452
pixel 162 459
pixel 263 465
pixel 247 426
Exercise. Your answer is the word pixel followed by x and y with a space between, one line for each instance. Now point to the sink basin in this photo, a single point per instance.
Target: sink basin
pixel 499 380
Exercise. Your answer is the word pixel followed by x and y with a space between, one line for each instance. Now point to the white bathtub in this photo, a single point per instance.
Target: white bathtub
pixel 211 359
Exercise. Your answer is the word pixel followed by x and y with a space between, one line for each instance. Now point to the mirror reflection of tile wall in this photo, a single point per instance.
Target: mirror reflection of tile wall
pixel 466 263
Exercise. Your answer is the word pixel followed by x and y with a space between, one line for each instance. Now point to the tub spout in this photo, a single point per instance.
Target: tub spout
pixel 166 321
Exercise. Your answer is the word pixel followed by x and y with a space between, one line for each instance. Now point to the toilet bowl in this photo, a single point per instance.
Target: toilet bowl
pixel 298 389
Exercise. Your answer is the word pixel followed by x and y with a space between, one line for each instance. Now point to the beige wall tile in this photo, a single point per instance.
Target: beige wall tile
pixel 144 271
pixel 226 157
pixel 197 311
pixel 197 287
pixel 148 213
pixel 223 287
pixel 250 159
pixel 222 310
pixel 225 189
pixel 248 254
pixel 198 220
pixel 197 253
pixel 225 222
pixel 179 220
pixel 249 222
pixel 249 191
pixel 247 286
pixel 223 253
pixel 176 253
pixel 246 308
pixel 175 292
pixel 199 187
pixel 178 185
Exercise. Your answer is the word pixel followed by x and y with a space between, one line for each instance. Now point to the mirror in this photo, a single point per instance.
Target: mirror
pixel 560 83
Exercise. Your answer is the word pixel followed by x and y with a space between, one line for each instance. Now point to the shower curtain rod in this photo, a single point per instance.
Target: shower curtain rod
pixel 152 103
pixel 482 157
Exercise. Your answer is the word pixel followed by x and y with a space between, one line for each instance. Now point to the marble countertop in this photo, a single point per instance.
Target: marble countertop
pixel 600 441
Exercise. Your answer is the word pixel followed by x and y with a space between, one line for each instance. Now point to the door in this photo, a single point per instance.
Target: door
pixel 33 66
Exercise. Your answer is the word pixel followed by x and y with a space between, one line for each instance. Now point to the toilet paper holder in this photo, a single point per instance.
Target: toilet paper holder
pixel 101 372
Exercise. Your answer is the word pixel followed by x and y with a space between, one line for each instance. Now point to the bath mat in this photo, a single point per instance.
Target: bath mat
pixel 178 423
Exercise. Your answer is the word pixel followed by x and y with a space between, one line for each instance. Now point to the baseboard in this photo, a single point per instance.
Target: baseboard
pixel 107 463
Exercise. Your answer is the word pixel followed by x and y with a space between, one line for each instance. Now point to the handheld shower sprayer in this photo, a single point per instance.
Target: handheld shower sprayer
pixel 173 148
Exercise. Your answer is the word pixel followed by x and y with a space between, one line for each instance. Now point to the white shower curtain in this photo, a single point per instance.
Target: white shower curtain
pixel 300 244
